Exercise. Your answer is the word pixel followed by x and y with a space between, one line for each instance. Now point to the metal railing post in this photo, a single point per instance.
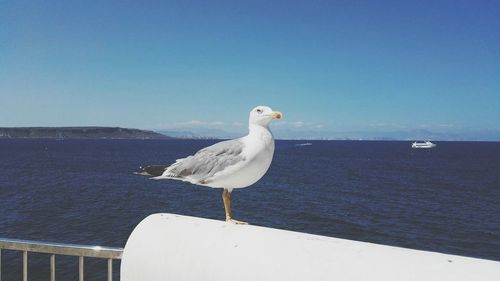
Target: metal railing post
pixel 25 265
pixel 52 267
pixel 110 270
pixel 80 269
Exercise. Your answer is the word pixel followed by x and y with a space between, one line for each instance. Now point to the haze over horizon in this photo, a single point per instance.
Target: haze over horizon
pixel 332 67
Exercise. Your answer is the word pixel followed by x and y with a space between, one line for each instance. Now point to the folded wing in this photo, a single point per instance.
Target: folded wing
pixel 201 167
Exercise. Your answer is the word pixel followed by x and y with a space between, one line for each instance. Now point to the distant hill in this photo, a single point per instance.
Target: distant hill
pixel 78 133
pixel 290 133
pixel 200 133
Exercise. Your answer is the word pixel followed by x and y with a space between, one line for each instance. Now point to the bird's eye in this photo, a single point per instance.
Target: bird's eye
pixel 259 111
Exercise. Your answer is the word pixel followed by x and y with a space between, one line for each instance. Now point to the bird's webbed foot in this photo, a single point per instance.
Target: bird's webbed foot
pixel 233 221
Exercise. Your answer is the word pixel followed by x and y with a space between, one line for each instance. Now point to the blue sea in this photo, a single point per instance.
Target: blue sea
pixel 445 199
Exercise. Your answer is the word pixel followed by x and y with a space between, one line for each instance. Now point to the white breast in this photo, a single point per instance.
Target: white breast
pixel 258 152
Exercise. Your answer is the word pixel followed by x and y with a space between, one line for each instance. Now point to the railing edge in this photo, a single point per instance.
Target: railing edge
pixel 61 248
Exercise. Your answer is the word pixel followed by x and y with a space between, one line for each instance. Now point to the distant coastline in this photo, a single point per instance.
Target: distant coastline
pixel 98 132
pixel 78 133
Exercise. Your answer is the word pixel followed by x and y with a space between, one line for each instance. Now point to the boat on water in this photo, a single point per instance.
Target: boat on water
pixel 304 144
pixel 425 144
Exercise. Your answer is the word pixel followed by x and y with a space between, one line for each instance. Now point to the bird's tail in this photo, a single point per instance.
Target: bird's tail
pixel 151 170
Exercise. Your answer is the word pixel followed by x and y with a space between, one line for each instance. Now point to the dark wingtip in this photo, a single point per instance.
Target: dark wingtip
pixel 142 172
pixel 151 170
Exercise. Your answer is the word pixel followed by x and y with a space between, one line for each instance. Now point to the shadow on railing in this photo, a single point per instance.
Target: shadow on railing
pixel 54 249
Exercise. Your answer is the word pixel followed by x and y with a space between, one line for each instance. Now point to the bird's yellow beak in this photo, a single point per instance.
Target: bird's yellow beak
pixel 276 115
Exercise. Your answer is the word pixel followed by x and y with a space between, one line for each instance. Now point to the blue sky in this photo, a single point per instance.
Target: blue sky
pixel 327 65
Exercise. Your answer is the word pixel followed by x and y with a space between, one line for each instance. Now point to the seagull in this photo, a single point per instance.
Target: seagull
pixel 229 164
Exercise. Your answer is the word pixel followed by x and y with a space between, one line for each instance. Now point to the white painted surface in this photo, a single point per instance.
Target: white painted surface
pixel 172 247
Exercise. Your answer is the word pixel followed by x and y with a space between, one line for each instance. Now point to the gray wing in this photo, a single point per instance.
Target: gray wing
pixel 205 163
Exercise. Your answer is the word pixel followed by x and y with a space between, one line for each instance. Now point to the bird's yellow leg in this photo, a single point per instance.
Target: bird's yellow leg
pixel 226 197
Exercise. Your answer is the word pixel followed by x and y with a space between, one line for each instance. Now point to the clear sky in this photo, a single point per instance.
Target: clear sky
pixel 329 65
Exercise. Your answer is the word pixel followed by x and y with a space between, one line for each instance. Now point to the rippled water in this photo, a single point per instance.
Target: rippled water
pixel 445 199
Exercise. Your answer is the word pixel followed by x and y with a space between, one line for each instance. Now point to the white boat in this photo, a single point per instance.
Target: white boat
pixel 425 144
pixel 304 144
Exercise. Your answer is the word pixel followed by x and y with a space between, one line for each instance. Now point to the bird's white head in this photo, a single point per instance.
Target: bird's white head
pixel 262 115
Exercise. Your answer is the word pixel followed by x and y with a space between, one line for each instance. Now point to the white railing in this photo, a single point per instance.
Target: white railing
pixel 173 247
pixel 80 251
